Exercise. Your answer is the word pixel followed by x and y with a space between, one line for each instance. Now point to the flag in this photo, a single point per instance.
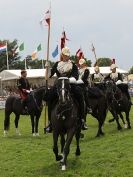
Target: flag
pixel 79 54
pixel 93 48
pixel 55 52
pixel 34 55
pixel 47 17
pixel 21 47
pixel 63 39
pixel 113 61
pixel 39 48
pixel 3 47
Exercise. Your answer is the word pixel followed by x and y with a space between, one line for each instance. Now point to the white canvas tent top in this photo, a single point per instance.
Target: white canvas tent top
pixel 106 70
pixel 15 74
pixel 40 73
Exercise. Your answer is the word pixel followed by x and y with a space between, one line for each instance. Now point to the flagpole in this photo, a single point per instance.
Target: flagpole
pixel 7 57
pixel 93 50
pixel 25 63
pixel 46 72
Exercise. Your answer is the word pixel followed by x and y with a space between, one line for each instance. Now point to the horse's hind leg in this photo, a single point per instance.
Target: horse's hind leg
pixel 122 118
pixel 127 119
pixel 6 122
pixel 36 125
pixel 33 125
pixel 77 135
pixel 55 146
pixel 115 115
pixel 16 124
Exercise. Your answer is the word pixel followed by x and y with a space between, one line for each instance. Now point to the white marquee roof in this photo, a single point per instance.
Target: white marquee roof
pixel 40 73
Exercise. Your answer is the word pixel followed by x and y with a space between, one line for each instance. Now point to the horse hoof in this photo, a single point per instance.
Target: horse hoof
pixel 34 134
pixel 125 126
pixel 63 167
pixel 37 134
pixel 77 152
pixel 5 133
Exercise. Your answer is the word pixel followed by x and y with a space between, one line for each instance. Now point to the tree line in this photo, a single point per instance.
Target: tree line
pixel 16 62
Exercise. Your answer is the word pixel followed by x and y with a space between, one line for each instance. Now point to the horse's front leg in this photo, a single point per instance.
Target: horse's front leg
pixel 36 125
pixel 55 146
pixel 16 124
pixel 66 150
pixel 62 142
pixel 33 125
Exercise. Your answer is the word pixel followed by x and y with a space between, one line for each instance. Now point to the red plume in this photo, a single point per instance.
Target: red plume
pixel 113 61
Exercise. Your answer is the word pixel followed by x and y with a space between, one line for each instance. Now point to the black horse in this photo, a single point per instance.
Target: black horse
pixel 65 121
pixel 34 106
pixel 120 103
pixel 97 100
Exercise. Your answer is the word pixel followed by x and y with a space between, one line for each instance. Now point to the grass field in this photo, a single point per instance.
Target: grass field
pixel 27 156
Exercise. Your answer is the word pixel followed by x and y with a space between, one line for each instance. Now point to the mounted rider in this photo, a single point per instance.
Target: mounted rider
pixel 84 81
pixel 65 68
pixel 97 77
pixel 118 79
pixel 24 89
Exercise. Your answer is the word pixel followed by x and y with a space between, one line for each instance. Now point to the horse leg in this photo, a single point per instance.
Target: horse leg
pixel 127 119
pixel 33 125
pixel 77 135
pixel 6 122
pixel 55 146
pixel 16 124
pixel 115 115
pixel 62 142
pixel 100 124
pixel 122 118
pixel 36 125
pixel 66 150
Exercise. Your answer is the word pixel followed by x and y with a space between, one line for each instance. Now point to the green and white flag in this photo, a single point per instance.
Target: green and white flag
pixel 39 48
pixel 21 47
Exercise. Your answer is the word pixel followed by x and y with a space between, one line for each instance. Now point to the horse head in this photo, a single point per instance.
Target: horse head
pixel 63 90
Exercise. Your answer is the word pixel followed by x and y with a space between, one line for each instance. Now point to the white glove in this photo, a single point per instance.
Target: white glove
pixel 80 81
pixel 27 91
pixel 72 80
pixel 118 82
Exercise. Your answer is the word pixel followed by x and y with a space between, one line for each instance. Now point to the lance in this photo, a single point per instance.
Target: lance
pixel 47 18
pixel 94 51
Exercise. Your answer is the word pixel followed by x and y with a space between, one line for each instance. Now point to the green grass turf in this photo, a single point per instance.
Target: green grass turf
pixel 28 156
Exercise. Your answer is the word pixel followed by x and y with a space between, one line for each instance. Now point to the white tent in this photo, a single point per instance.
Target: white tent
pixel 15 74
pixel 106 70
pixel 7 75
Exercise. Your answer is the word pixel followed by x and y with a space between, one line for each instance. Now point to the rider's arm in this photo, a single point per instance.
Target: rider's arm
pixel 86 76
pixel 120 77
pixel 54 69
pixel 75 73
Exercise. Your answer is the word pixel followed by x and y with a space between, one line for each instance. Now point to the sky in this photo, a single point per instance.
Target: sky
pixel 108 24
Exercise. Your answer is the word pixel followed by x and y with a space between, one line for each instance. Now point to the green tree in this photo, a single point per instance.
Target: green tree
pixel 131 70
pixel 104 61
pixel 13 56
